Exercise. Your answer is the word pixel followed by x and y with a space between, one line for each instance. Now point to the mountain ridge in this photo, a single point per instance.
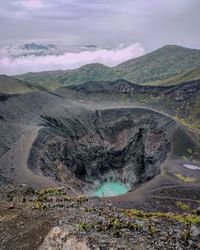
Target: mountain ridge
pixel 155 66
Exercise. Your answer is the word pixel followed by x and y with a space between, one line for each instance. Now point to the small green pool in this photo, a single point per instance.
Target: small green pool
pixel 111 189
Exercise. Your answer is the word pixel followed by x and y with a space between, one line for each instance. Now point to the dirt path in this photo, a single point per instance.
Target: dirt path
pixel 14 162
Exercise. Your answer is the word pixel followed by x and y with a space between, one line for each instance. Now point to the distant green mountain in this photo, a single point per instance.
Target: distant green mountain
pixel 168 61
pixel 10 85
pixel 160 64
pixel 178 78
pixel 59 78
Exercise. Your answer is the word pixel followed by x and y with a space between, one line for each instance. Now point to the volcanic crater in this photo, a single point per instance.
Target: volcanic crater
pixel 71 138
pixel 126 146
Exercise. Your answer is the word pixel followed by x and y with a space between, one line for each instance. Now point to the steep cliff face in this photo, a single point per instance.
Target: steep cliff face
pixel 126 145
pixel 182 99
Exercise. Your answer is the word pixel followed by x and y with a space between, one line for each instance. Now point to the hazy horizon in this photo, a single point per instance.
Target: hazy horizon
pixel 152 23
pixel 120 30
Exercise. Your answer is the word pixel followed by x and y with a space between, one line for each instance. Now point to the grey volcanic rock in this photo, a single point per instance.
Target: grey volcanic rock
pixel 195 231
pixel 67 139
pixel 126 145
pixel 181 99
pixel 125 87
pixel 86 223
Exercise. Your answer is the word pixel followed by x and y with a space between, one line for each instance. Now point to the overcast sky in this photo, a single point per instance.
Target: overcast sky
pixel 105 23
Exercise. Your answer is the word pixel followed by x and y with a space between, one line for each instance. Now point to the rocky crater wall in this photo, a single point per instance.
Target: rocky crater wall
pixel 126 145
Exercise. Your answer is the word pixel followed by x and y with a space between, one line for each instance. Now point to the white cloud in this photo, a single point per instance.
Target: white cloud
pixel 32 4
pixel 69 60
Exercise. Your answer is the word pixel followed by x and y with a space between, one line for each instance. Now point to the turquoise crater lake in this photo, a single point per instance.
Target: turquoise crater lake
pixel 111 189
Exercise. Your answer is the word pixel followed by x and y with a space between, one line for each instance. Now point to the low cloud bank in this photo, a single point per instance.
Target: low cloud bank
pixel 68 60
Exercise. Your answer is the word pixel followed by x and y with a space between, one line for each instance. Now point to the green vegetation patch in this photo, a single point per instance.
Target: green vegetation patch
pixel 187 219
pixel 183 206
pixel 185 178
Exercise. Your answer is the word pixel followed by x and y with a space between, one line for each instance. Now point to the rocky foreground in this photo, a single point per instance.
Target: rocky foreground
pixel 50 219
pixel 80 137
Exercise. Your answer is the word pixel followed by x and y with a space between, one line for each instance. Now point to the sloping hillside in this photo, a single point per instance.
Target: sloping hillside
pixel 178 78
pixel 160 64
pixel 168 61
pixel 59 78
pixel 10 85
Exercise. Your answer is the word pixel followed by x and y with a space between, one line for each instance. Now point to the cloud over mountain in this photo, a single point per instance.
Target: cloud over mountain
pixel 68 60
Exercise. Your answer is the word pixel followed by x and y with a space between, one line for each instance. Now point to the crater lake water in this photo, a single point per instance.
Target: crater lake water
pixel 111 189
